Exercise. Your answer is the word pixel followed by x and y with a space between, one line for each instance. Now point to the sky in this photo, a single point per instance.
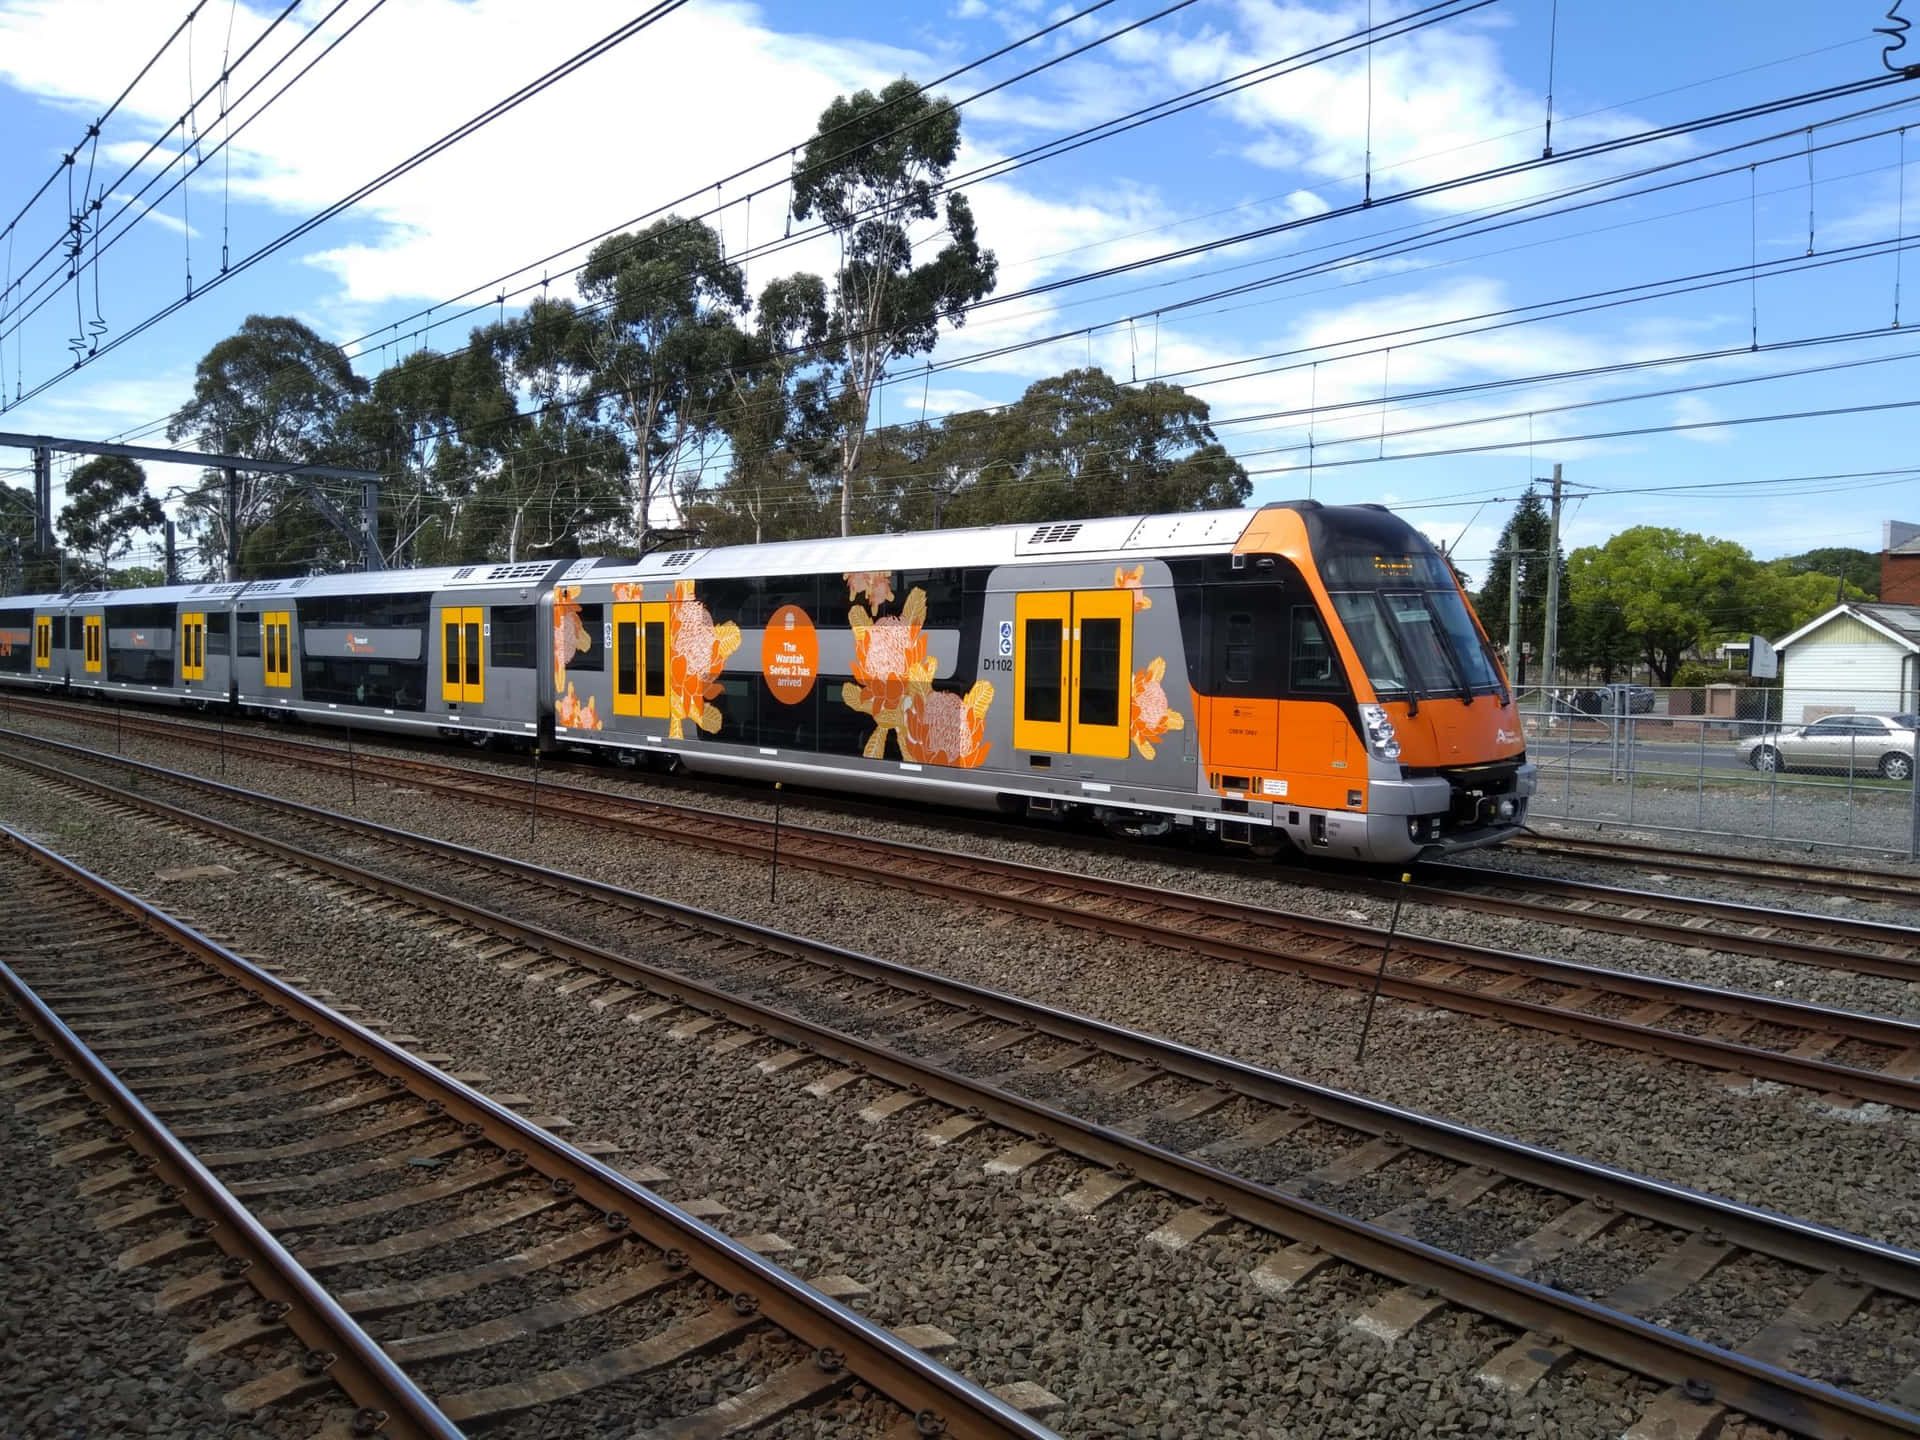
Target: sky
pixel 1745 270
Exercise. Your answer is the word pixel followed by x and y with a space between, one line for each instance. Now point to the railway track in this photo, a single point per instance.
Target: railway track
pixel 1836 942
pixel 1173 1117
pixel 311 1152
pixel 1846 1055
pixel 1801 876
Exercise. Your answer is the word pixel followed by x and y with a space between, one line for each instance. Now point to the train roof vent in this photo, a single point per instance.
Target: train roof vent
pixel 532 571
pixel 231 587
pixel 679 559
pixel 463 572
pixel 1054 534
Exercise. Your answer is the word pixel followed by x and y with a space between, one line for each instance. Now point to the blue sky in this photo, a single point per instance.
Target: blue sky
pixel 717 85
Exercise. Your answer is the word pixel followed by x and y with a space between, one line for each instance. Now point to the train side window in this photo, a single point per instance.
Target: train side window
pixel 247 636
pixel 217 630
pixel 1240 648
pixel 510 631
pixel 1314 667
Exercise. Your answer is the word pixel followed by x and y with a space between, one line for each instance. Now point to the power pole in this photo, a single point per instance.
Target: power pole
pixel 370 521
pixel 42 500
pixel 1550 648
pixel 233 522
pixel 1513 615
pixel 173 563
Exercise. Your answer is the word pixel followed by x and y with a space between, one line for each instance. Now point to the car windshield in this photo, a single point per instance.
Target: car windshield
pixel 1425 636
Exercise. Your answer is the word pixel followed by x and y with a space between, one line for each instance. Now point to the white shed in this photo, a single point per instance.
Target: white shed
pixel 1856 658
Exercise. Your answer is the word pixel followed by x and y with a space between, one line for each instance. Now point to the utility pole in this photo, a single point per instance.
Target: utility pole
pixel 1550 648
pixel 370 521
pixel 233 522
pixel 42 500
pixel 1513 615
pixel 173 563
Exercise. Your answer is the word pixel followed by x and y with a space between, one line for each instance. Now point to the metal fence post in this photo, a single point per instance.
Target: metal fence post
pixel 1700 771
pixel 1631 726
pixel 1853 763
pixel 1913 809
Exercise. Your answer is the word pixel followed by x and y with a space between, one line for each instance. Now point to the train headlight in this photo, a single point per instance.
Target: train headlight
pixel 1380 737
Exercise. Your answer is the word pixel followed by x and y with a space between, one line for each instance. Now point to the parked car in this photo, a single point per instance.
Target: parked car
pixel 1600 701
pixel 1878 744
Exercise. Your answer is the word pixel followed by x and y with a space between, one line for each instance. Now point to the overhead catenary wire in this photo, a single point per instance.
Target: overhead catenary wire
pixel 466 129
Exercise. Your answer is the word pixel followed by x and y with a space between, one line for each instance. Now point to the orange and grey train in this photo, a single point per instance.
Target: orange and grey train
pixel 1298 674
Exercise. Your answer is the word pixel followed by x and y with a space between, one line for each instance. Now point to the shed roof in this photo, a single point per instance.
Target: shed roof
pixel 1898 623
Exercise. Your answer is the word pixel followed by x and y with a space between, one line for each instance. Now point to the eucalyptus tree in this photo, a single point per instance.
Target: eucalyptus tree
pixel 108 504
pixel 874 169
pixel 658 332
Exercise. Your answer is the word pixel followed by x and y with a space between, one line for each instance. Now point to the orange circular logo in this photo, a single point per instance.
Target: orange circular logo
pixel 790 654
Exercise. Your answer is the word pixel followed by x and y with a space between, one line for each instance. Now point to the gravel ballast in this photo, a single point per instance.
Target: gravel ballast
pixel 1137 1341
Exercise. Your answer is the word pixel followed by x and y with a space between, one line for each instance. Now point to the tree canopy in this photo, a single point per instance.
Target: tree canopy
pixel 107 505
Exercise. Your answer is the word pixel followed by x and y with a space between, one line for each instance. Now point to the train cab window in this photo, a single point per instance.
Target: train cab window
pixel 1314 669
pixel 1239 669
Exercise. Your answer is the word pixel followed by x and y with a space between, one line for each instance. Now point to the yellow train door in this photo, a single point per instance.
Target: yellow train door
pixel 626 659
pixel 276 649
pixel 1041 622
pixel 462 664
pixel 1102 677
pixel 1072 675
pixel 93 638
pixel 193 646
pixel 42 642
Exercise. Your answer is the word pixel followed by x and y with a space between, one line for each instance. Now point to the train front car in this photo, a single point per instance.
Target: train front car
pixel 1443 764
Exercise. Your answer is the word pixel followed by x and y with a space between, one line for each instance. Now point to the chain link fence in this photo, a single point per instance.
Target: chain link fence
pixel 1832 768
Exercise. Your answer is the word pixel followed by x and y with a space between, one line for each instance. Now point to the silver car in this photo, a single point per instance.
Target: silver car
pixel 1875 744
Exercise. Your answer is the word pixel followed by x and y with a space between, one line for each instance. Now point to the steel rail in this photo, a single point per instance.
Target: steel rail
pixel 1737 1381
pixel 890 1365
pixel 1764 917
pixel 1799 1242
pixel 1789 949
pixel 1830 879
pixel 384 1392
pixel 1194 910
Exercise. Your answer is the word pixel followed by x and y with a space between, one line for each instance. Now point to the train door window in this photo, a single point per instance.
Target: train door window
pixel 472 659
pixel 653 660
pixel 42 642
pixel 1041 622
pixel 1101 679
pixel 626 659
pixel 276 629
pixel 193 645
pixel 1312 666
pixel 93 638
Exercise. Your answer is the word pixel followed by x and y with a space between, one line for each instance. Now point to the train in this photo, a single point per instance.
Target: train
pixel 1294 676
